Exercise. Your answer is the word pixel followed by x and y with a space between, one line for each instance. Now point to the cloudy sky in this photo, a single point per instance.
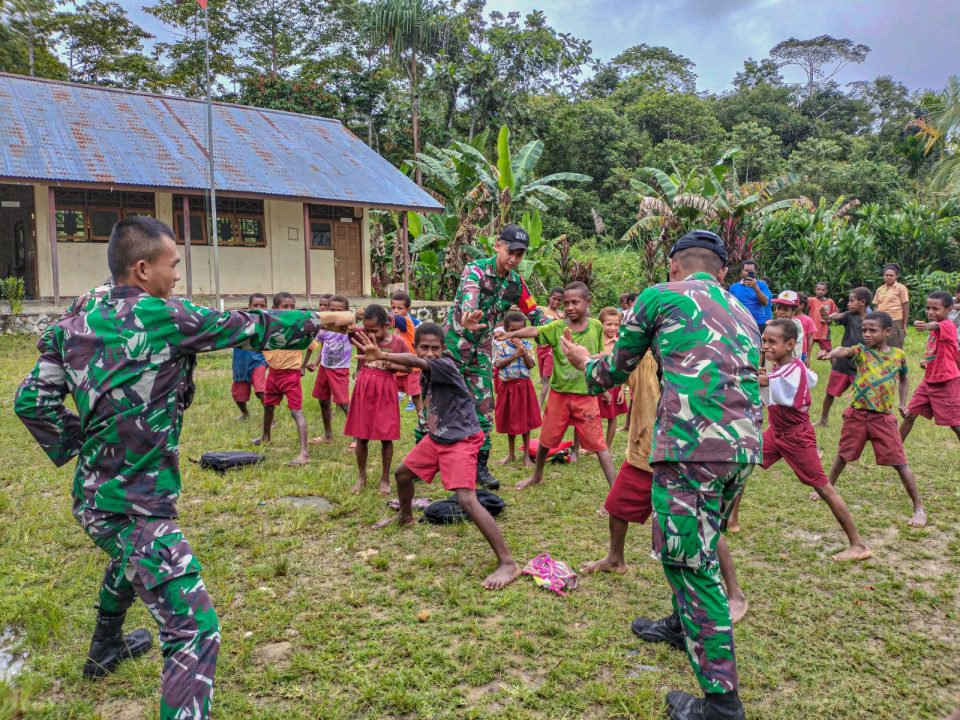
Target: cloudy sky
pixel 918 42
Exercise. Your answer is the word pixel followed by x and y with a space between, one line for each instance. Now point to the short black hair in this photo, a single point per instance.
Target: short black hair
pixel 881 317
pixel 700 257
pixel 279 297
pixel 556 291
pixel 402 296
pixel 943 296
pixel 376 312
pixel 427 328
pixel 892 266
pixel 748 262
pixel 514 317
pixel 580 287
pixel 789 327
pixel 824 283
pixel 255 295
pixel 862 294
pixel 324 296
pixel 133 239
pixel 804 300
pixel 342 299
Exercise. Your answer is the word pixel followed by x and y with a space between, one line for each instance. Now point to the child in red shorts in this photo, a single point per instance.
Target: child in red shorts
pixel 406 325
pixel 333 372
pixel 517 411
pixel 452 442
pixel 789 435
pixel 820 300
pixel 554 311
pixel 374 409
pixel 612 403
pixel 880 368
pixel 568 403
pixel 843 372
pixel 284 370
pixel 249 367
pixel 937 397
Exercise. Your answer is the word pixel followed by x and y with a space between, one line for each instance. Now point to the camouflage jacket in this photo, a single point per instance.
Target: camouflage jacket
pixel 127 360
pixel 482 289
pixel 708 348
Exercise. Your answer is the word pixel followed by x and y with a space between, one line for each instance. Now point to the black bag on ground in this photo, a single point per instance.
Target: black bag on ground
pixel 447 511
pixel 223 461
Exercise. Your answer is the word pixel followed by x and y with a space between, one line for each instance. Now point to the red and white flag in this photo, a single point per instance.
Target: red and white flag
pixel 202 3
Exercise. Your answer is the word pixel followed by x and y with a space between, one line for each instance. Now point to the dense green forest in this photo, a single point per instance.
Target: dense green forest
pixel 605 160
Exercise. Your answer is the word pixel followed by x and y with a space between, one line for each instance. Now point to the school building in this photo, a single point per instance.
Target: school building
pixel 293 192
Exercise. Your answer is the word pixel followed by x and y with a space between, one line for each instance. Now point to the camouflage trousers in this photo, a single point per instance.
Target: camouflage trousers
pixel 691 502
pixel 150 559
pixel 478 375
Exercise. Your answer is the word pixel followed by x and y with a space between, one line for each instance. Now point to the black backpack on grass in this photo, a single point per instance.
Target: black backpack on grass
pixel 223 461
pixel 447 511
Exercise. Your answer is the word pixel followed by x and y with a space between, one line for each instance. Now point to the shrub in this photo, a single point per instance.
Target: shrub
pixel 923 284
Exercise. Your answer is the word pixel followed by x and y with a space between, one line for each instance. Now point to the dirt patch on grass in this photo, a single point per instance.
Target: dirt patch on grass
pixel 123 710
pixel 276 654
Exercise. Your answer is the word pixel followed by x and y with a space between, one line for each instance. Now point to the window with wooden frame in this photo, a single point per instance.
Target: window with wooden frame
pixel 89 215
pixel 240 221
pixel 322 218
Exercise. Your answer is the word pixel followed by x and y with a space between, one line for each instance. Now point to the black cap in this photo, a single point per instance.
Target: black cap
pixel 701 239
pixel 515 237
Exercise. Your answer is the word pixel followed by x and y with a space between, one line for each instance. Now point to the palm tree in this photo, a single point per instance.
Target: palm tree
pixel 410 29
pixel 944 126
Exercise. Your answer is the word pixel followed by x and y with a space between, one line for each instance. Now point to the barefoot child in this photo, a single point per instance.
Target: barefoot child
pixel 554 311
pixel 937 397
pixel 284 370
pixel 333 372
pixel 613 403
pixel 880 368
pixel 451 445
pixel 843 372
pixel 249 367
pixel 820 300
pixel 790 435
pixel 374 409
pixel 517 410
pixel 405 325
pixel 568 403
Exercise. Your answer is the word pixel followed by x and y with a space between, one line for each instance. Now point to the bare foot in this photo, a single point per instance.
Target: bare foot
pixel 852 554
pixel 299 461
pixel 918 520
pixel 532 480
pixel 574 457
pixel 403 521
pixel 243 416
pixel 260 441
pixel 822 422
pixel 814 497
pixel 505 574
pixel 738 608
pixel 607 565
pixel 361 481
pixel 507 460
pixel 527 462
pixel 351 447
pixel 384 486
pixel 321 440
pixel 602 512
pixel 733 528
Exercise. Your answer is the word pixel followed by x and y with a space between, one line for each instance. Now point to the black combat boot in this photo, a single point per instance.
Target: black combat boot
pixel 719 706
pixel 668 630
pixel 109 647
pixel 485 481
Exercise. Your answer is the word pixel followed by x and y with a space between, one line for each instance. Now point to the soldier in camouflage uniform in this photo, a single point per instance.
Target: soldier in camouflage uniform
pixel 488 289
pixel 706 442
pixel 126 355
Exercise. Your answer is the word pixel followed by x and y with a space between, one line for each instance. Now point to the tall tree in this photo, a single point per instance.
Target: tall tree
pixel 34 23
pixel 276 33
pixel 411 30
pixel 820 58
pixel 765 72
pixel 656 67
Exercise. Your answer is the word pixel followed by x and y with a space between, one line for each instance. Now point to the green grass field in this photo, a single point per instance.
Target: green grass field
pixel 323 618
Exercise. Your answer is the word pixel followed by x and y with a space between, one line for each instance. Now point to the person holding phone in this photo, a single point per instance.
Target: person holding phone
pixel 753 294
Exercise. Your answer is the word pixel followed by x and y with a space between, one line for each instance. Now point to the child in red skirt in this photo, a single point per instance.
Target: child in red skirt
pixel 451 445
pixel 284 370
pixel 613 403
pixel 374 408
pixel 789 434
pixel 843 372
pixel 880 370
pixel 937 397
pixel 406 325
pixel 554 311
pixel 333 372
pixel 517 410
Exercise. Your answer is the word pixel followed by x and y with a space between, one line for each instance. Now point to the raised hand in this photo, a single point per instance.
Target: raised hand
pixel 578 355
pixel 367 345
pixel 338 321
pixel 472 321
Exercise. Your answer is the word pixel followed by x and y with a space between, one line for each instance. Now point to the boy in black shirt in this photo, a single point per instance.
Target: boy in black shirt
pixel 452 442
pixel 843 372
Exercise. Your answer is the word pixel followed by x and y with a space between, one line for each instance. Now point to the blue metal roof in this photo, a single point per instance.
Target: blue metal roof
pixel 58 131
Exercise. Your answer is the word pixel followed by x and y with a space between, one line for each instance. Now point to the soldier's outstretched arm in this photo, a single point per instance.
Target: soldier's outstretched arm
pixel 39 404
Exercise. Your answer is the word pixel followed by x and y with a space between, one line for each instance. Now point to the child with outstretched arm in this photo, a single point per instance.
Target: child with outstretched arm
pixel 881 377
pixel 937 397
pixel 789 434
pixel 451 445
pixel 333 371
pixel 843 372
pixel 517 411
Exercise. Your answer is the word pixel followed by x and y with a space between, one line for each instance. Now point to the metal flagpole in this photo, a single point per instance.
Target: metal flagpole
pixel 213 191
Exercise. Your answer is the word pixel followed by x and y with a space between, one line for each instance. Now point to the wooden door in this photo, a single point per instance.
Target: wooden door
pixel 347 258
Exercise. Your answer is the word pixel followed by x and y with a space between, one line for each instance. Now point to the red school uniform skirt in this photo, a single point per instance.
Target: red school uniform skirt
pixel 374 409
pixel 610 410
pixel 517 410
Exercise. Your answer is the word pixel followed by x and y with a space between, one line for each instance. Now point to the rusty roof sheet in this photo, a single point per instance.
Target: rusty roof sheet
pixel 58 131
